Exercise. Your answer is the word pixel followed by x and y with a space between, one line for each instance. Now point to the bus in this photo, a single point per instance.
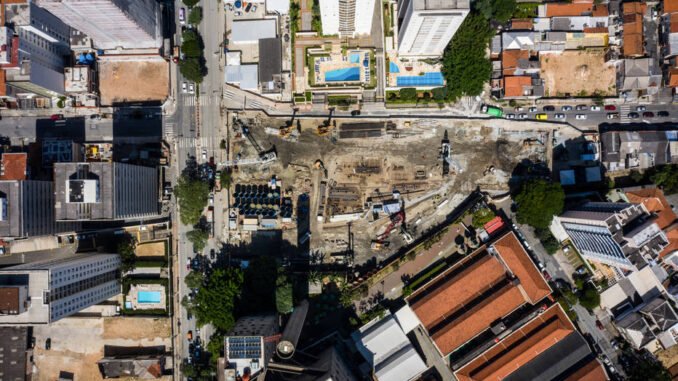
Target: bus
pixel 492 111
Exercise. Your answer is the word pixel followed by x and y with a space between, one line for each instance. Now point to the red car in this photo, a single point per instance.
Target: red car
pixel 546 274
pixel 599 325
pixel 610 108
pixel 57 116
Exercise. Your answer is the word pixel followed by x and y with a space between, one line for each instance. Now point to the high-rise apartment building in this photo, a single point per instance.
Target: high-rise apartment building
pixel 99 191
pixel 37 52
pixel 621 235
pixel 347 18
pixel 425 27
pixel 131 24
pixel 46 291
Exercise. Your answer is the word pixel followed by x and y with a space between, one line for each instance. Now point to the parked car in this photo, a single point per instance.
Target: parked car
pixel 32 341
pixel 532 109
pixel 211 198
pixel 48 343
pixel 518 109
pixel 213 254
pixel 522 116
pixel 610 108
pixel 204 153
pixel 606 360
pixel 559 116
pixel 566 108
pixel 230 7
pixel 615 344
pixel 57 116
pixel 541 117
pixel 254 8
pixel 237 13
pixel 188 264
pixel 355 112
pixel 248 7
pixel 546 274
pixel 663 114
pixel 648 114
pixel 95 116
pixel 633 115
pixel 510 116
pixel 182 15
pixel 581 270
pixel 191 88
pixel 599 324
pixel 582 107
pixel 189 335
pixel 184 87
pixel 580 116
pixel 549 108
pixel 612 115
pixel 641 108
pixel 595 108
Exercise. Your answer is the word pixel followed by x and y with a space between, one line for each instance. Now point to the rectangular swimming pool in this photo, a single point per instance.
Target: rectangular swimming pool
pixel 148 296
pixel 428 79
pixel 343 75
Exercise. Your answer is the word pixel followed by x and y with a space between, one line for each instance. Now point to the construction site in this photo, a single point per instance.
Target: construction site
pixel 370 188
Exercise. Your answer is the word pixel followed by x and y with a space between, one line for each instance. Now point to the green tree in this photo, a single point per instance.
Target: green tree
pixel 538 201
pixel 646 370
pixel 465 64
pixel 500 11
pixel 194 279
pixel 192 196
pixel 215 346
pixel 190 3
pixel 283 295
pixel 191 49
pixel 127 251
pixel 195 16
pixel 216 300
pixel 547 239
pixel 225 180
pixel 192 69
pixel 198 237
pixel 408 94
pixel 481 217
pixel 667 178
pixel 294 17
pixel 589 297
pixel 439 94
pixel 636 176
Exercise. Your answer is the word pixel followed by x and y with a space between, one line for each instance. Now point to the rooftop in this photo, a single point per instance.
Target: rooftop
pixel 251 31
pixel 633 29
pixel 654 201
pixel 670 6
pixel 547 347
pixel 579 8
pixel 13 166
pixel 430 5
pixel 13 352
pixel 485 286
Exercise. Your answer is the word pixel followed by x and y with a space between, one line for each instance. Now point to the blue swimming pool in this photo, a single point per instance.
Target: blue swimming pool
pixel 393 68
pixel 354 58
pixel 342 75
pixel 148 296
pixel 428 79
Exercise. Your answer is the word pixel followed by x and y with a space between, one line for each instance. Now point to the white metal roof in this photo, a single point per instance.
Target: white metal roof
pixel 245 76
pixel 251 31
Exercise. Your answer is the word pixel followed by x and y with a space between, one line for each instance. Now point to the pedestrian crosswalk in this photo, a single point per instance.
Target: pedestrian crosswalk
pixel 202 142
pixel 205 100
pixel 168 130
pixel 624 111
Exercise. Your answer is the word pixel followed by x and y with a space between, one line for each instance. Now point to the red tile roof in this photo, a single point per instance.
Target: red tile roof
pixel 632 41
pixel 495 224
pixel 13 166
pixel 522 24
pixel 517 260
pixel 653 199
pixel 519 348
pixel 575 8
pixel 670 6
pixel 510 58
pixel 515 86
pixel 673 77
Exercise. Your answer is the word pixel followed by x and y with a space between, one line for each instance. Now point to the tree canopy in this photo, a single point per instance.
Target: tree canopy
pixel 198 237
pixel 195 16
pixel 194 279
pixel 216 300
pixel 126 249
pixel 465 64
pixel 667 178
pixel 192 196
pixel 589 297
pixel 190 3
pixel 538 201
pixel 500 11
pixel 283 295
pixel 192 69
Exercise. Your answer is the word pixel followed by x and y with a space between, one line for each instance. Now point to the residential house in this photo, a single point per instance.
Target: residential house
pixel 633 42
pixel 623 150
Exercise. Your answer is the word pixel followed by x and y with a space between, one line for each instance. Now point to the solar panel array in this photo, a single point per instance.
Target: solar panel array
pixel 244 347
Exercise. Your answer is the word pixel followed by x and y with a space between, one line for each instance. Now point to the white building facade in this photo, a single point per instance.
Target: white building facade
pixel 425 27
pixel 347 18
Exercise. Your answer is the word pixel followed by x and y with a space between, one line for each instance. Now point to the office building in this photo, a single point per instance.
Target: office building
pixel 425 27
pixel 112 24
pixel 622 235
pixel 14 354
pixel 39 50
pixel 48 290
pixel 97 191
pixel 347 18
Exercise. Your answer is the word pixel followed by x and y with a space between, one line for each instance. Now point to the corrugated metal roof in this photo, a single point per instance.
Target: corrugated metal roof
pixel 250 31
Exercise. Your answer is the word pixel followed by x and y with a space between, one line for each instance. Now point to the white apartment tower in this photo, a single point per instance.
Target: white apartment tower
pixel 45 291
pixel 425 27
pixel 347 18
pixel 130 24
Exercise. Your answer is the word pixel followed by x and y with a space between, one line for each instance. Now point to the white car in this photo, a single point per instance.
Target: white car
pixel 183 87
pixel 204 153
pixel 182 15
pixel 641 108
pixel 523 116
pixel 191 88
pixel 510 116
pixel 532 109
pixel 254 8
pixel 559 116
pixel 238 13
pixel 211 198
pixel 580 116
pixel 518 109
pixel 595 108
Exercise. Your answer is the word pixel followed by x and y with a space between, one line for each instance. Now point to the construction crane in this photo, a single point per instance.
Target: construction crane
pixel 265 157
pixel 325 128
pixel 396 220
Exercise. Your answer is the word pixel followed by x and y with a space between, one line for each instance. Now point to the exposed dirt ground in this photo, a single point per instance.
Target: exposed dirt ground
pixel 571 72
pixel 77 344
pixel 151 249
pixel 400 158
pixel 133 81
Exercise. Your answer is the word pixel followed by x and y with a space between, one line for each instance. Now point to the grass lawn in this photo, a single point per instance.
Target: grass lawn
pixel 526 10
